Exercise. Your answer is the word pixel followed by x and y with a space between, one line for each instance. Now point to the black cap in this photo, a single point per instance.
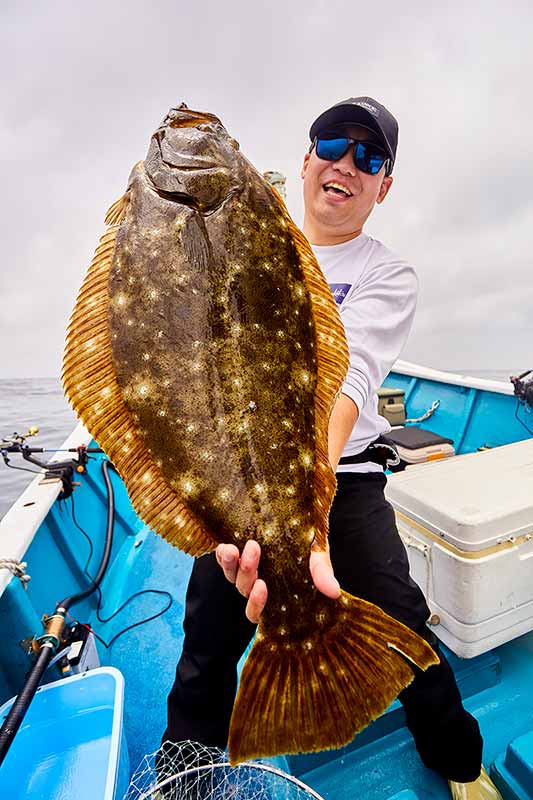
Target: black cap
pixel 363 111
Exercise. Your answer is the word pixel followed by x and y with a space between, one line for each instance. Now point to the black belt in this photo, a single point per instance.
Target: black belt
pixel 379 452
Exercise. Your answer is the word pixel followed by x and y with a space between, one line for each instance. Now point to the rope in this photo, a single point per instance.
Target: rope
pixel 17 568
pixel 431 410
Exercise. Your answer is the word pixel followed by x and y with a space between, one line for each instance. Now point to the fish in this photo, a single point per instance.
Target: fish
pixel 204 354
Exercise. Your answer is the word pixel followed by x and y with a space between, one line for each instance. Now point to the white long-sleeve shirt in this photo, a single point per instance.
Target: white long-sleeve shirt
pixel 376 292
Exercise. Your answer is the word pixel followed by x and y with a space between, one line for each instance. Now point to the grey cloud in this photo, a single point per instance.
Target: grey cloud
pixel 86 86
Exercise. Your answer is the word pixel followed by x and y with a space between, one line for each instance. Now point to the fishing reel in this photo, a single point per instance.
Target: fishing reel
pixel 523 387
pixel 64 470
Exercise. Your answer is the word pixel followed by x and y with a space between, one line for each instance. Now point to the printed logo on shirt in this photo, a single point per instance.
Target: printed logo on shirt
pixel 339 291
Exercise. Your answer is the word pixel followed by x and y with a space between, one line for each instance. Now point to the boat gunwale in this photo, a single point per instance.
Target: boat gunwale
pixel 20 523
pixel 427 373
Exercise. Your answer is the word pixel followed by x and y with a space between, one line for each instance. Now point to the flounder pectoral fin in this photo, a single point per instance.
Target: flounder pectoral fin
pixel 297 697
pixel 90 383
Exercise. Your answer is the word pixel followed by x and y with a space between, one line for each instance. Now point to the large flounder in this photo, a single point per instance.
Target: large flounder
pixel 204 354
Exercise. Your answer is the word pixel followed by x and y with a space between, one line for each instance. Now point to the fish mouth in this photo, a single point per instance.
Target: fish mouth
pixel 337 188
pixel 184 117
pixel 182 198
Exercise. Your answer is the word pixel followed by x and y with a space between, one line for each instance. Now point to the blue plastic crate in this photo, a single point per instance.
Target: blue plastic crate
pixel 71 743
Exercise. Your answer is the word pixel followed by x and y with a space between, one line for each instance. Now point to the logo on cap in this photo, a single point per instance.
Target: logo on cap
pixel 369 107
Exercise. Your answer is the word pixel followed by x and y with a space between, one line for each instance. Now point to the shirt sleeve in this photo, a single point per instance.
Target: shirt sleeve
pixel 377 317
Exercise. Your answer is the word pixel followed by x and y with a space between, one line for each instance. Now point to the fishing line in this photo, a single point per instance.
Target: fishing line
pixel 22 469
pixel 521 421
pixel 99 591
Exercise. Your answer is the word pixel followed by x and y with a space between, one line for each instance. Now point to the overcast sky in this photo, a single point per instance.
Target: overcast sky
pixel 86 84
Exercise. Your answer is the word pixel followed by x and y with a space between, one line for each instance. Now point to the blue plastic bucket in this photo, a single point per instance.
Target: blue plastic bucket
pixel 71 743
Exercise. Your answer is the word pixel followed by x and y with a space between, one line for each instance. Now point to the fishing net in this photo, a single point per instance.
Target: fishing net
pixel 190 771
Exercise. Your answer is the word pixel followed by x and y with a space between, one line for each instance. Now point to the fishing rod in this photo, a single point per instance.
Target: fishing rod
pixel 523 389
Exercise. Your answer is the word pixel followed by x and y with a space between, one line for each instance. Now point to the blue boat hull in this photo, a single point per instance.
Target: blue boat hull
pixel 381 762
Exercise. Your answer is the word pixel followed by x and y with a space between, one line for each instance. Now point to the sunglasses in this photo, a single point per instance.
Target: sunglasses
pixel 367 156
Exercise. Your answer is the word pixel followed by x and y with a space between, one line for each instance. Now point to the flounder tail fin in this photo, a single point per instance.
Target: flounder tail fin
pixel 316 694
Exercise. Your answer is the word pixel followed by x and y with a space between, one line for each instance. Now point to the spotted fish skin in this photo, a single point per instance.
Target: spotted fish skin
pixel 209 320
pixel 205 353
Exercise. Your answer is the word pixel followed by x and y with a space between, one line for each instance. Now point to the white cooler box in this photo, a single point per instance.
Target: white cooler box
pixel 467 523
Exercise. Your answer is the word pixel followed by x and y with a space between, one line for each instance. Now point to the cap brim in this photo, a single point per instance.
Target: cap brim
pixel 346 115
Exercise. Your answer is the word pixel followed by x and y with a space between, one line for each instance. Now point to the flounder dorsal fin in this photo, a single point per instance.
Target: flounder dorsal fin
pixel 91 386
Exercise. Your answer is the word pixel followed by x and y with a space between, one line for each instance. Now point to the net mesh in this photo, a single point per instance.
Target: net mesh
pixel 190 771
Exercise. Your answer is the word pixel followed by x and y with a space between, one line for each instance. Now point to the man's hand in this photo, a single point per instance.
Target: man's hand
pixel 242 571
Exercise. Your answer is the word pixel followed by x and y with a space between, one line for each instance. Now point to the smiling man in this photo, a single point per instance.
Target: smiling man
pixel 345 173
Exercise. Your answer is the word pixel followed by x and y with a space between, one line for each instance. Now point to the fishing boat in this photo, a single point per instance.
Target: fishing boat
pixel 465 510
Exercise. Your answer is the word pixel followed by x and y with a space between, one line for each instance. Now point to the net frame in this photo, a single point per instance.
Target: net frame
pixel 238 778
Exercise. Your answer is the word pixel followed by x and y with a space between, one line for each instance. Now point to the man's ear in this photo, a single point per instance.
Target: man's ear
pixel 384 188
pixel 305 165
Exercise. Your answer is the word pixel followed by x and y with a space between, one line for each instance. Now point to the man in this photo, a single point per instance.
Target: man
pixel 345 173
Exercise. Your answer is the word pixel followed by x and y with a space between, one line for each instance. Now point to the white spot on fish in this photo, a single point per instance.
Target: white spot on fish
pixel 306 459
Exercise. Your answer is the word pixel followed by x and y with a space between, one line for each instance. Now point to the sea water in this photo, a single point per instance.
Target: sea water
pixel 40 401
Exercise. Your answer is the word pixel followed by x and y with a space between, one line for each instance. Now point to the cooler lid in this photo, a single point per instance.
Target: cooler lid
pixel 473 501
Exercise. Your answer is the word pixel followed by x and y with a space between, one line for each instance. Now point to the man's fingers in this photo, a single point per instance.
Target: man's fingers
pixel 322 574
pixel 247 572
pixel 228 557
pixel 256 601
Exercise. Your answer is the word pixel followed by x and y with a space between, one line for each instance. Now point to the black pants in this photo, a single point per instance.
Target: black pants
pixel 370 561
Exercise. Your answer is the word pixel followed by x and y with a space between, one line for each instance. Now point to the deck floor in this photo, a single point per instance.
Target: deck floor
pixel 378 765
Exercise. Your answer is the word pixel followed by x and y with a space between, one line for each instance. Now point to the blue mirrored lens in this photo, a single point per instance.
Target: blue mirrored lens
pixel 332 149
pixel 368 159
